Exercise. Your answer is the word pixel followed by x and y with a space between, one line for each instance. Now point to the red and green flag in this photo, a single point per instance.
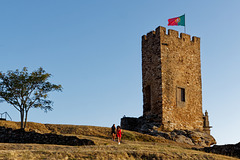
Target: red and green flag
pixel 177 21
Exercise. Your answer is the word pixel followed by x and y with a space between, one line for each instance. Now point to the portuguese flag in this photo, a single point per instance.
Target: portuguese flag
pixel 177 21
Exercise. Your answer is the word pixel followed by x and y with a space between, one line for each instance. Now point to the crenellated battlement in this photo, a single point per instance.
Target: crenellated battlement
pixel 161 31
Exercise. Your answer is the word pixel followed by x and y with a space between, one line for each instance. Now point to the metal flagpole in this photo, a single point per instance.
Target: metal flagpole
pixel 184 23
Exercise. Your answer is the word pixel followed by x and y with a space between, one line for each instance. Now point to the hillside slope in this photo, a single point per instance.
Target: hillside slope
pixel 133 146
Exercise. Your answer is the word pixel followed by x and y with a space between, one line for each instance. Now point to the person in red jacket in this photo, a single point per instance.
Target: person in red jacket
pixel 119 134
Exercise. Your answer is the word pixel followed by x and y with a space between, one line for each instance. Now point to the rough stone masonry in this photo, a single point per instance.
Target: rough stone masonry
pixel 171 84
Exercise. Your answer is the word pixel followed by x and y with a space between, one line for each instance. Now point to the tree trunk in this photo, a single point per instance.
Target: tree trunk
pixel 22 118
pixel 25 123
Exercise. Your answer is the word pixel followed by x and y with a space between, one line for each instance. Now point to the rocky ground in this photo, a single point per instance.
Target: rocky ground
pixel 145 126
pixel 229 149
pixel 8 135
pixel 184 136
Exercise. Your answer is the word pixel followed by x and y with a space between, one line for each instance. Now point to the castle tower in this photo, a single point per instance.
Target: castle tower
pixel 171 80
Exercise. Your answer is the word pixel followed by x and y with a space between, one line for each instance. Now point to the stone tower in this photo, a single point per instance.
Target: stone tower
pixel 171 80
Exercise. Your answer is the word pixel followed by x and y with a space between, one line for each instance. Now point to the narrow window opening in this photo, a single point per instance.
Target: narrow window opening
pixel 182 94
pixel 181 97
pixel 148 98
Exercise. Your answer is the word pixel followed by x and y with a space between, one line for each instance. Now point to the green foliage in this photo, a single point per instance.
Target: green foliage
pixel 25 90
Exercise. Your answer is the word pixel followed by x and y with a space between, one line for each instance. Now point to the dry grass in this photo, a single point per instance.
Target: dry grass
pixel 133 146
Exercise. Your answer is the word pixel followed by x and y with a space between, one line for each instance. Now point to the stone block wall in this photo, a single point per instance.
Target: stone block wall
pixel 130 123
pixel 151 75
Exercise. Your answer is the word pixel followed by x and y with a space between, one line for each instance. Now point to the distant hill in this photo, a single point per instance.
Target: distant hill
pixel 134 145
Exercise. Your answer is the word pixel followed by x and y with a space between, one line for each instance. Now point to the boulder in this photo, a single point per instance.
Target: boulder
pixel 183 139
pixel 201 138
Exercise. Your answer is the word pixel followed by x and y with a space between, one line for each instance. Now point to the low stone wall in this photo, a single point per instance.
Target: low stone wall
pixel 8 135
pixel 228 150
pixel 130 123
pixel 140 124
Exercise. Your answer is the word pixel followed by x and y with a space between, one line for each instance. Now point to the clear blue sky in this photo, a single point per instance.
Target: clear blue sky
pixel 93 48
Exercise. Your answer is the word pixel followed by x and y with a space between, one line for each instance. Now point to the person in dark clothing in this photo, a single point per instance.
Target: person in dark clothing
pixel 113 132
